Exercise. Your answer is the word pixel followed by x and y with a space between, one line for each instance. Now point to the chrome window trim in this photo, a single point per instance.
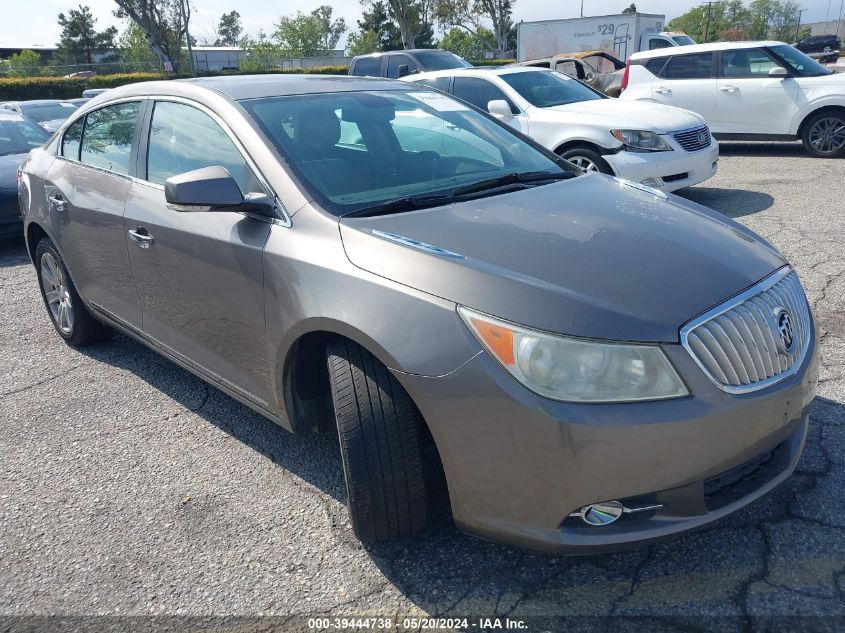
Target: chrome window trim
pixel 729 305
pixel 285 221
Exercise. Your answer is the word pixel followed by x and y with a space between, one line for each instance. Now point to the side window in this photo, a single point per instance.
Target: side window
pixel 568 68
pixel 656 65
pixel 368 67
pixel 659 43
pixel 72 139
pixel 107 138
pixel 395 61
pixel 746 64
pixel 479 92
pixel 438 83
pixel 183 138
pixel 698 66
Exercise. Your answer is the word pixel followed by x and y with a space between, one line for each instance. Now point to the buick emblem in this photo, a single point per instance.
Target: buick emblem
pixel 784 324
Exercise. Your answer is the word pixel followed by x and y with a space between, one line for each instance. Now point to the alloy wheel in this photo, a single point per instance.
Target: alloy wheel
pixel 56 292
pixel 827 136
pixel 584 163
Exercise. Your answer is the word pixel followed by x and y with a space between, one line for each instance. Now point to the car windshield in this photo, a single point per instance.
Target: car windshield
pixel 356 150
pixel 547 89
pixel 683 40
pixel 799 62
pixel 18 137
pixel 47 111
pixel 441 60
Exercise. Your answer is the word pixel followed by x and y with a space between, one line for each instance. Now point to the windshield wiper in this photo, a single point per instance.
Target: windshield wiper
pixel 397 205
pixel 510 179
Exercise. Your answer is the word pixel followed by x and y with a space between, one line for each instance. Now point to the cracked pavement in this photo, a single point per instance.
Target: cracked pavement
pixel 127 486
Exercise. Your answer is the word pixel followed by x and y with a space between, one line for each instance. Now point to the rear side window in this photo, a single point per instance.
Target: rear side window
pixel 698 66
pixel 183 139
pixel 367 67
pixel 479 92
pixel 395 61
pixel 72 140
pixel 107 138
pixel 656 65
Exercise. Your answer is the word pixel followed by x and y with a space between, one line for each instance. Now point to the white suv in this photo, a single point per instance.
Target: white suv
pixel 662 147
pixel 746 91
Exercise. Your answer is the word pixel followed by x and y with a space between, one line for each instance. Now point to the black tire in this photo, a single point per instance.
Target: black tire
pixel 381 444
pixel 587 155
pixel 82 328
pixel 834 118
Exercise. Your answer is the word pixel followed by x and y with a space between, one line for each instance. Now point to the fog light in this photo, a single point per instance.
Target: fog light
pixel 607 512
pixel 653 182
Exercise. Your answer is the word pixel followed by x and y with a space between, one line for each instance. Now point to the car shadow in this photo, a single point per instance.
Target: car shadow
pixel 12 252
pixel 735 203
pixel 762 149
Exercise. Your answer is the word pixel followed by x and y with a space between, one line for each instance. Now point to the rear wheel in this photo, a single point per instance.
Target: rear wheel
pixel 587 159
pixel 823 134
pixel 381 443
pixel 68 314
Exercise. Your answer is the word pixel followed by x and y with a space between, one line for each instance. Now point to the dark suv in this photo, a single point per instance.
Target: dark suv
pixel 825 47
pixel 395 64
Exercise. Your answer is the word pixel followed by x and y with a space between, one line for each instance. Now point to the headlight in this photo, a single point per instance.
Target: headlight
pixel 577 370
pixel 641 141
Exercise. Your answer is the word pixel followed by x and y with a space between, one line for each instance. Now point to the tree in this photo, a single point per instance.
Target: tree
pixel 630 9
pixel 362 43
pixel 331 29
pixel 261 53
pixel 731 20
pixel 309 35
pixel 80 41
pixel 229 29
pixel 135 49
pixel 468 45
pixel 471 15
pixel 377 20
pixel 413 19
pixel 24 64
pixel 162 24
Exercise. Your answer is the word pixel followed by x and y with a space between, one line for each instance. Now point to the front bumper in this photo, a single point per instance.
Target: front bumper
pixel 518 465
pixel 667 171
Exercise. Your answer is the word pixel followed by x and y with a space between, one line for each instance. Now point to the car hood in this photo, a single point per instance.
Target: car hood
pixel 9 164
pixel 632 115
pixel 590 257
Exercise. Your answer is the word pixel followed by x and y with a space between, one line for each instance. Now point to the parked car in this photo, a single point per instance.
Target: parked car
pixel 48 113
pixel 747 91
pixel 18 135
pixel 93 92
pixel 597 69
pixel 823 47
pixel 395 64
pixel 592 363
pixel 662 147
pixel 79 101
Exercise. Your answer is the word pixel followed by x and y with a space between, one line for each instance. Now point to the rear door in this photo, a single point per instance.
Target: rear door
pixel 199 274
pixel 689 82
pixel 86 189
pixel 748 101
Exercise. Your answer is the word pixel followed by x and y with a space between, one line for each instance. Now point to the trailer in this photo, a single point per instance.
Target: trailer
pixel 620 35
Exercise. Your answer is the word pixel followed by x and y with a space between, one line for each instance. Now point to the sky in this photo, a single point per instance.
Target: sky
pixel 30 23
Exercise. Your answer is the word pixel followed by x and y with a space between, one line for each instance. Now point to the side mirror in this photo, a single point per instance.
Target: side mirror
pixel 212 189
pixel 404 71
pixel 500 109
pixel 778 71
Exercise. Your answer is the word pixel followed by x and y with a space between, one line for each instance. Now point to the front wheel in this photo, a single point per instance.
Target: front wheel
pixel 823 135
pixel 381 443
pixel 587 159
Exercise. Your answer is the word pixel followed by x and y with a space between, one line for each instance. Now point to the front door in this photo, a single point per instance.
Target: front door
pixel 86 189
pixel 199 274
pixel 748 101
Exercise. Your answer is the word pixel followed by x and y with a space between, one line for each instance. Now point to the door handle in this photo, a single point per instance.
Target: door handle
pixel 729 89
pixel 141 236
pixel 57 202
pixel 663 91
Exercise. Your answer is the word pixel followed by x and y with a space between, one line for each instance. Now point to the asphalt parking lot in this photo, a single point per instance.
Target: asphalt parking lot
pixel 127 486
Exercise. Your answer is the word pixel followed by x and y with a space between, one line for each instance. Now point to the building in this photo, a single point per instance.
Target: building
pixel 836 27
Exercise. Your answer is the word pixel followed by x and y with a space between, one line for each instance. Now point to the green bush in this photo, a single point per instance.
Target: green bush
pixel 492 62
pixel 23 88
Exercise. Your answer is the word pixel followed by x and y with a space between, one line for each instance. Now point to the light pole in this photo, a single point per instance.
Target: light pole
pixel 582 8
pixel 798 26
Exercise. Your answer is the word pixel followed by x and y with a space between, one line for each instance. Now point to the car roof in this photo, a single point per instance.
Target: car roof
pixel 40 102
pixel 479 72
pixel 702 48
pixel 238 87
pixel 401 51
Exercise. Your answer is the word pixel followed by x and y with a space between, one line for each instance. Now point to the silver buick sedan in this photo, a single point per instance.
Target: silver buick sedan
pixel 591 363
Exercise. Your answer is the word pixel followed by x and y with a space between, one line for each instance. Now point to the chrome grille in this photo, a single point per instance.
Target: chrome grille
pixel 739 344
pixel 695 139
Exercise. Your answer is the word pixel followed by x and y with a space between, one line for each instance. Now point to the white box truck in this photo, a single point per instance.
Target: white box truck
pixel 620 35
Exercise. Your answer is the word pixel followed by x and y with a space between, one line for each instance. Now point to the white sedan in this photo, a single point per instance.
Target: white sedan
pixel 660 146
